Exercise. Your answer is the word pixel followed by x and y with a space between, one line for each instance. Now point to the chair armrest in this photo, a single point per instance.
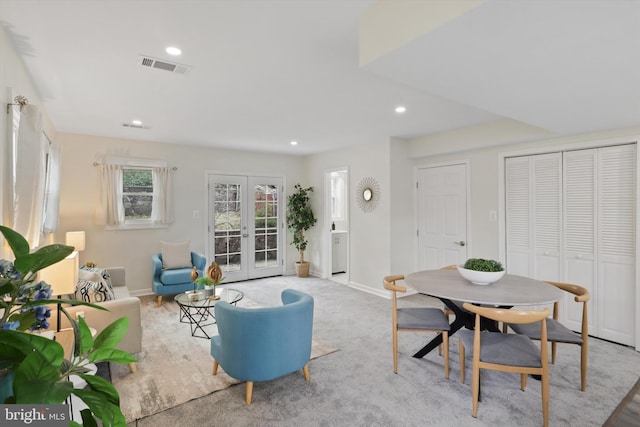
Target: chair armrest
pixel 199 261
pixel 100 319
pixel 156 265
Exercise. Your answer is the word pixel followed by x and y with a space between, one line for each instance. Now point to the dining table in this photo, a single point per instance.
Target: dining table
pixel 453 289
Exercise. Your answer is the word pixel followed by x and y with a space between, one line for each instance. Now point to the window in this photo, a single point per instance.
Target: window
pixel 338 196
pixel 136 193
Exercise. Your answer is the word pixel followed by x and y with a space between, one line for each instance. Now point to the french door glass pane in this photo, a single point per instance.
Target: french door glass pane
pixel 266 225
pixel 227 233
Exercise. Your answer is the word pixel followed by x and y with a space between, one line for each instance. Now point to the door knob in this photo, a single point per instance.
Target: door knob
pixel 461 243
pixel 245 235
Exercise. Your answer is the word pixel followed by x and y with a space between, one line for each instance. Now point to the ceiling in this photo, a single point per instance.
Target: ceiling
pixel 263 74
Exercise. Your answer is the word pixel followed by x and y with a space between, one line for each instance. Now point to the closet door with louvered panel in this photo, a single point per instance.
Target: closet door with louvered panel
pixel 571 217
pixel 579 209
pixel 615 302
pixel 518 216
pixel 599 238
pixel 533 215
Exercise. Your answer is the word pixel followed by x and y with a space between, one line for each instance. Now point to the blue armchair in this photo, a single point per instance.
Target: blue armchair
pixel 260 344
pixel 174 281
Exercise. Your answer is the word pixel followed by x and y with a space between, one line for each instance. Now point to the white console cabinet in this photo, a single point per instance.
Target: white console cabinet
pixel 339 251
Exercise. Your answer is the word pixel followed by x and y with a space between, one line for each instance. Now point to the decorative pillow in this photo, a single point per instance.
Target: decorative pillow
pixel 176 255
pixel 103 272
pixel 94 285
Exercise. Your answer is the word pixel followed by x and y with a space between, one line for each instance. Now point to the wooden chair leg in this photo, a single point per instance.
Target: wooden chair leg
pixel 445 342
pixel 523 381
pixel 133 368
pixel 475 387
pixel 461 353
pixel 215 367
pixel 395 351
pixel 159 300
pixel 545 399
pixel 249 392
pixel 553 353
pixel 583 366
pixel 305 371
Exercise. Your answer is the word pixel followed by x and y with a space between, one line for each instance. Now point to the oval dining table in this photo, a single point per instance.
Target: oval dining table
pixel 449 287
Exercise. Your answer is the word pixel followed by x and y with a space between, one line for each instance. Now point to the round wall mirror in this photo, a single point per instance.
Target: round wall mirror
pixel 368 194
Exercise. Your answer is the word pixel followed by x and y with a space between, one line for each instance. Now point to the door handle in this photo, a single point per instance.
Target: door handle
pixel 461 243
pixel 245 235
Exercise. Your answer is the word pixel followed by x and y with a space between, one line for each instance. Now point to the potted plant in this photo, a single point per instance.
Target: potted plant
pixel 300 218
pixel 482 271
pixel 33 369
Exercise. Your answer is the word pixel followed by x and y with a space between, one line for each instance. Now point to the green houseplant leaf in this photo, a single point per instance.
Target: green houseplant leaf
pixel 35 364
pixel 481 264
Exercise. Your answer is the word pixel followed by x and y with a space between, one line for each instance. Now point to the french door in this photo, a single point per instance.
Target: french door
pixel 245 226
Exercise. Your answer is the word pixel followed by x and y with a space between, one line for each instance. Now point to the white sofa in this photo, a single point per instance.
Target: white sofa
pixel 124 305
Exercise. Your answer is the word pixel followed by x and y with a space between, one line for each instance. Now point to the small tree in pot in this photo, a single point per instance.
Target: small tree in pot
pixel 300 218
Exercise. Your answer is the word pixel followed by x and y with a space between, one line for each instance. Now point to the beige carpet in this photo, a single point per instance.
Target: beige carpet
pixel 174 367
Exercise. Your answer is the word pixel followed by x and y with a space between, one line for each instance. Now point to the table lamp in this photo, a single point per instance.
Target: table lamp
pixel 75 239
pixel 62 277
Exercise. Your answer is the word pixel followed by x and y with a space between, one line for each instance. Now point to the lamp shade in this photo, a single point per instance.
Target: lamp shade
pixel 75 239
pixel 62 276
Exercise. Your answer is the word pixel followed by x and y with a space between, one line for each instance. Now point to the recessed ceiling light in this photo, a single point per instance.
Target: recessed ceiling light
pixel 172 50
pixel 400 109
pixel 294 142
pixel 136 122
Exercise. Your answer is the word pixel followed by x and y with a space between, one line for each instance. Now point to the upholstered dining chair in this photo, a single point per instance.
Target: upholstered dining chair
pixel 558 333
pixel 261 344
pixel 415 319
pixel 506 352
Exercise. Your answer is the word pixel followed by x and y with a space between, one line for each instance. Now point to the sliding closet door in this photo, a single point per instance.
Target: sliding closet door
pixel 571 217
pixel 533 215
pixel 580 206
pixel 615 304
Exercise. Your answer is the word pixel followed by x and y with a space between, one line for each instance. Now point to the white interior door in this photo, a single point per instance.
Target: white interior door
pixel 245 226
pixel 442 216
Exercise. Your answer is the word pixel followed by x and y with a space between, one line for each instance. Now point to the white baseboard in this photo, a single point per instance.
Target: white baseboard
pixel 381 292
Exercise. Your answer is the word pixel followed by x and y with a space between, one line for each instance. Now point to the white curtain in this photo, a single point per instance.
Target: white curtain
pixel 52 189
pixel 110 209
pixel 162 206
pixel 29 176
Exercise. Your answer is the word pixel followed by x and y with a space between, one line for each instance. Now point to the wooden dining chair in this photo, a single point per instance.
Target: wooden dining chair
pixel 415 319
pixel 558 333
pixel 506 352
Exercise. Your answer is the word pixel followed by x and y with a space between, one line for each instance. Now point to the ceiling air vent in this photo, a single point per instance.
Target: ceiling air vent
pixel 132 126
pixel 147 61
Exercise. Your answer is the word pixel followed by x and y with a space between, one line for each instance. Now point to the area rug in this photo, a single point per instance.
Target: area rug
pixel 174 367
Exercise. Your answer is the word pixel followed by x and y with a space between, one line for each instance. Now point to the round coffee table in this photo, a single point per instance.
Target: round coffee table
pixel 198 311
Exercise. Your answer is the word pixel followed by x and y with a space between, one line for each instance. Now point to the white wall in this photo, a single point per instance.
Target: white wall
pixel 403 210
pixel 133 248
pixel 369 233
